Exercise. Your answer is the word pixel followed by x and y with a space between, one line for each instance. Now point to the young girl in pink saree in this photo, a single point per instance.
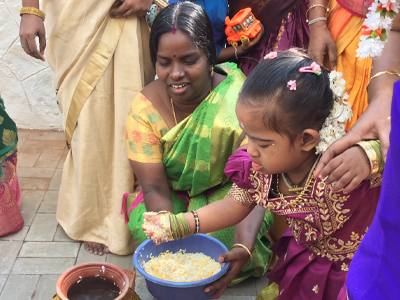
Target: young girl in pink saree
pixel 291 110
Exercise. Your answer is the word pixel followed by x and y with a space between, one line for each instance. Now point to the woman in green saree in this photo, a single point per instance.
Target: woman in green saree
pixel 182 128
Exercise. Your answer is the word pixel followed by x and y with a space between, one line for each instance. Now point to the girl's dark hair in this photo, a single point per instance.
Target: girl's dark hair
pixel 189 18
pixel 284 110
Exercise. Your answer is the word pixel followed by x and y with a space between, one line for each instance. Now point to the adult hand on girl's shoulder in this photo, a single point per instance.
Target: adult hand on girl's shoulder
pixel 347 170
pixel 238 258
pixel 321 43
pixel 372 125
pixel 130 8
pixel 247 44
pixel 31 27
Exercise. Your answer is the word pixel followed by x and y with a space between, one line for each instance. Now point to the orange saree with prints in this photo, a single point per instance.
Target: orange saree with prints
pixel 345 29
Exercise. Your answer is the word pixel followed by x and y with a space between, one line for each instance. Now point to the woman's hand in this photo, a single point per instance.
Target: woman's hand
pixel 238 258
pixel 321 43
pixel 130 8
pixel 247 44
pixel 31 27
pixel 347 170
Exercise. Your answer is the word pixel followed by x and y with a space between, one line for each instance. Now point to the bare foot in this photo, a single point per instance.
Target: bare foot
pixel 96 248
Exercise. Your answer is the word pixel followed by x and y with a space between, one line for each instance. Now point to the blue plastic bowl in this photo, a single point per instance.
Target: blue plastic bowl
pixel 169 290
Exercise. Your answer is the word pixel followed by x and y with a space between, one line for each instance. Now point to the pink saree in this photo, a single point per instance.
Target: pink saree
pixel 10 197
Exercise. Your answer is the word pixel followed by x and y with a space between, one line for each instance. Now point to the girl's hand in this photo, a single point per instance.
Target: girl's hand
pixel 347 170
pixel 155 228
pixel 31 27
pixel 248 44
pixel 238 258
pixel 130 8
pixel 321 43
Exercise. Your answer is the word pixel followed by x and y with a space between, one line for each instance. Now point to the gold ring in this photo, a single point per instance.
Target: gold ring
pixel 389 118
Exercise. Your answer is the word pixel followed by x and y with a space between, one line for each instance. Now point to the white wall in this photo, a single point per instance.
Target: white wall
pixel 26 84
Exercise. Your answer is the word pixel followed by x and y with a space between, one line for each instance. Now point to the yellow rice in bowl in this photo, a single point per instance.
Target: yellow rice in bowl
pixel 181 266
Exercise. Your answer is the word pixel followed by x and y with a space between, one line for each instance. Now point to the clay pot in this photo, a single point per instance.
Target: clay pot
pixel 91 269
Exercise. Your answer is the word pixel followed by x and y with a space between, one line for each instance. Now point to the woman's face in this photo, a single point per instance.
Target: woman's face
pixel 183 67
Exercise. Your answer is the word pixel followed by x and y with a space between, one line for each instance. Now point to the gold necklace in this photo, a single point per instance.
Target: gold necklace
pixel 292 187
pixel 173 111
pixel 307 188
pixel 296 203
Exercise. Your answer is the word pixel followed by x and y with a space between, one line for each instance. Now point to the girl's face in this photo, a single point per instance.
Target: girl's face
pixel 270 152
pixel 183 67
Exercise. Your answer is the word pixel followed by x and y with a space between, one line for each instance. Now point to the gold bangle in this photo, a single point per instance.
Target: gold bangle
pixel 372 156
pixel 248 251
pixel 32 11
pixel 381 73
pixel 314 6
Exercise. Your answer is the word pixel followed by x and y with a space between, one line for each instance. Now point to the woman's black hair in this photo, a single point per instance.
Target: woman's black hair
pixel 284 110
pixel 189 18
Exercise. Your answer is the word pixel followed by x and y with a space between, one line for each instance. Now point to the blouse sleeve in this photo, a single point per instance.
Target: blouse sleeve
pixel 238 167
pixel 144 128
pixel 238 170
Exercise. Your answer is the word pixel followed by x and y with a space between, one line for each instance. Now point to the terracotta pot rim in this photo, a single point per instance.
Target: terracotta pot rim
pixel 95 266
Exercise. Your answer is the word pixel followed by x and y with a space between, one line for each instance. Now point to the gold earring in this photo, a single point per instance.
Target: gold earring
pixel 212 71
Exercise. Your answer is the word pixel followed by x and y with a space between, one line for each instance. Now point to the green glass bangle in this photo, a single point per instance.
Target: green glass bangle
pixel 174 227
pixel 376 145
pixel 183 225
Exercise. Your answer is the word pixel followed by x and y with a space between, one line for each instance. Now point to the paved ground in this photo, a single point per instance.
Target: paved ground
pixel 32 259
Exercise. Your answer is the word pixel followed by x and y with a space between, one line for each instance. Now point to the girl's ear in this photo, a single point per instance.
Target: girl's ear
pixel 308 139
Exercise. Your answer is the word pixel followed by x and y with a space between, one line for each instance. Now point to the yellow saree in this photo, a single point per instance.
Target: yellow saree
pixel 100 64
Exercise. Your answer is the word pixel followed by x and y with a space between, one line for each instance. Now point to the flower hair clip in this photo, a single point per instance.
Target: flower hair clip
pixel 314 68
pixel 292 85
pixel 271 55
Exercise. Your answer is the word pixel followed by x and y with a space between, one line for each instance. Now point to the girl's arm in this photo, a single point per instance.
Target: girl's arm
pixel 213 217
pixel 154 183
pixel 219 215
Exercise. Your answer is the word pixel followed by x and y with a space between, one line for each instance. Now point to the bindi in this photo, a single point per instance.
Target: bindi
pixel 174 55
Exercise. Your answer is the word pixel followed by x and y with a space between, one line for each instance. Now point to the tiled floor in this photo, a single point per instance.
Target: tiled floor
pixel 32 259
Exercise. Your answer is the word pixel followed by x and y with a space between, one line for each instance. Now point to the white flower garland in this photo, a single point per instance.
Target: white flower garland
pixel 376 27
pixel 334 125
